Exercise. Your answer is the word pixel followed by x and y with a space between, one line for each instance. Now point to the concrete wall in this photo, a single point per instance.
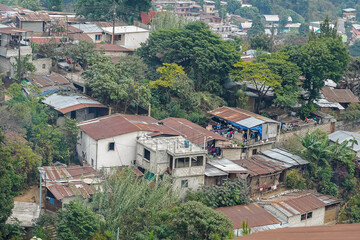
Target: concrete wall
pixel 42 66
pixel 6 67
pixel 86 149
pixel 348 126
pixel 33 26
pixel 302 132
pixel 135 39
pixel 316 220
pixel 237 153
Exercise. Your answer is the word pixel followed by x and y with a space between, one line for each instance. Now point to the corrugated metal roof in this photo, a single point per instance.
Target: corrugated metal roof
pixel 111 48
pixel 88 28
pixel 214 172
pixel 339 95
pixel 342 136
pixel 65 104
pixel 60 173
pixel 271 18
pixel 324 103
pixel 237 114
pixel 227 166
pixel 257 165
pixel 12 30
pixel 250 122
pixel 281 155
pixel 118 124
pixel 33 17
pixel 49 80
pixel 252 213
pixel 61 191
pixel 191 131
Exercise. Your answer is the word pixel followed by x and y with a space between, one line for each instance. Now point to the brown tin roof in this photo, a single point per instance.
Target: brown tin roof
pixel 61 191
pixel 118 124
pixel 253 214
pixel 50 80
pixel 33 17
pixel 191 131
pixel 257 165
pixel 60 173
pixel 12 30
pixel 339 95
pixel 334 232
pixel 111 48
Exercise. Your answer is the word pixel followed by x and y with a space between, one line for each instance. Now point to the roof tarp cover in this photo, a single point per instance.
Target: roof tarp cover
pixel 250 122
pixel 257 128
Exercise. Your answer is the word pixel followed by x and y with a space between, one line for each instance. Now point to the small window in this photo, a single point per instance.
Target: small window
pixel 73 115
pixel 182 162
pixel 44 66
pixel 254 151
pixel 146 154
pixel 98 37
pixel 309 215
pixel 184 183
pixel 111 146
pixel 303 217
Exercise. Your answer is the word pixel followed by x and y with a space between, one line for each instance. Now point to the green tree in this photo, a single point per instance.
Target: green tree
pixel 7 202
pixel 261 41
pixel 168 20
pixel 34 5
pixel 355 49
pixel 289 72
pixel 55 5
pixel 294 180
pixel 259 75
pixel 76 222
pixel 119 84
pixel 81 53
pixel 127 10
pixel 23 66
pixel 206 58
pixel 257 27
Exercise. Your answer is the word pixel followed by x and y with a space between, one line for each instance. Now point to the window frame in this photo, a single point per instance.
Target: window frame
pixel 185 183
pixel 309 215
pixel 145 154
pixel 303 217
pixel 111 148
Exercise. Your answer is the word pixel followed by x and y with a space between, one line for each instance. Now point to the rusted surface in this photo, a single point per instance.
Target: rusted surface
pixel 252 213
pixel 339 95
pixel 111 48
pixel 334 232
pixel 80 37
pixel 61 191
pixel 13 31
pixel 191 131
pixel 118 124
pixel 237 114
pixel 54 173
pixel 33 17
pixel 259 166
pixel 80 106
pixel 50 80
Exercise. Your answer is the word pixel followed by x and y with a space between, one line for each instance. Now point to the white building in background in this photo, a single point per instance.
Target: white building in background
pixel 175 156
pixel 127 36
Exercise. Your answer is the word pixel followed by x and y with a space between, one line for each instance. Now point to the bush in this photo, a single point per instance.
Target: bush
pixel 294 180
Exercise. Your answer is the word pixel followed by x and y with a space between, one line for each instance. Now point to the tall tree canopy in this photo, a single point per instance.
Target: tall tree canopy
pixel 127 10
pixel 206 58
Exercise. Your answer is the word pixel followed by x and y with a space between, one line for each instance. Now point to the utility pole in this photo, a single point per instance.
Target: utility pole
pixel 42 172
pixel 114 17
pixel 19 59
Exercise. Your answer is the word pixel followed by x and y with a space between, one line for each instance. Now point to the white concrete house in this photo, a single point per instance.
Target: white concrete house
pixel 176 156
pixel 127 36
pixel 110 141
pixel 92 30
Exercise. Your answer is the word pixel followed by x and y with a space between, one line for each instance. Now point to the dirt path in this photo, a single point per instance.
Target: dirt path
pixel 32 194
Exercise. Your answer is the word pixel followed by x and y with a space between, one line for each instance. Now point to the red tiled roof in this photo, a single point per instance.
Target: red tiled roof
pixel 253 214
pixel 61 191
pixel 118 124
pixel 191 131
pixel 59 173
pixel 259 166
pixel 334 232
pixel 80 37
pixel 339 95
pixel 236 114
pixel 146 17
pixel 111 48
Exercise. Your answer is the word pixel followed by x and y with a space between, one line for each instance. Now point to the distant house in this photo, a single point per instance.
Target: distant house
pixel 127 36
pixel 49 84
pixel 33 21
pixel 63 184
pixel 75 106
pixel 113 51
pixel 111 141
pixel 175 156
pixel 91 30
pixel 341 136
pixel 349 14
pixel 209 7
pixel 254 215
pixel 335 99
pixel 356 31
pixel 216 168
pixel 254 133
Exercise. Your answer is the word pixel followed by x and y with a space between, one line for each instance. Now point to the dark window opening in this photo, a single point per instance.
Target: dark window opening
pixel 92 162
pixel 44 66
pixel 171 161
pixel 182 162
pixel 303 217
pixel 111 146
pixel 146 154
pixel 309 215
pixel 73 115
pixel 184 183
pixel 254 151
pixel 197 161
pixel 91 109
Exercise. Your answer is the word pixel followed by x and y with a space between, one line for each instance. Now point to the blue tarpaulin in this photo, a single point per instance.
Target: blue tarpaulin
pixel 257 128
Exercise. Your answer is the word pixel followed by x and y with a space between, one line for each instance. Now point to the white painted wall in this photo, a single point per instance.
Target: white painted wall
pixel 135 39
pixel 318 216
pixel 87 145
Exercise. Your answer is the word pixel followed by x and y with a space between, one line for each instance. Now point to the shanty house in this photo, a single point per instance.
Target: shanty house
pixel 254 215
pixel 252 133
pixel 341 136
pixel 49 84
pixel 176 156
pixel 349 14
pixel 75 106
pixel 218 170
pixel 110 141
pixel 33 21
pixel 297 210
pixel 63 184
pixel 127 36
pixel 112 50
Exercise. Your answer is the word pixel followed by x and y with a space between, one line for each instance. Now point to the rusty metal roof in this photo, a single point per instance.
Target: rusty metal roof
pixel 339 95
pixel 236 115
pixel 334 232
pixel 118 124
pixel 33 17
pixel 80 37
pixel 63 190
pixel 111 48
pixel 257 165
pixel 48 80
pixel 191 131
pixel 297 204
pixel 253 214
pixel 13 30
pixel 61 173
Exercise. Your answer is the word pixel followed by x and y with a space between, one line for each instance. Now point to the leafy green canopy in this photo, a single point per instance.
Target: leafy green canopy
pixel 127 10
pixel 206 58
